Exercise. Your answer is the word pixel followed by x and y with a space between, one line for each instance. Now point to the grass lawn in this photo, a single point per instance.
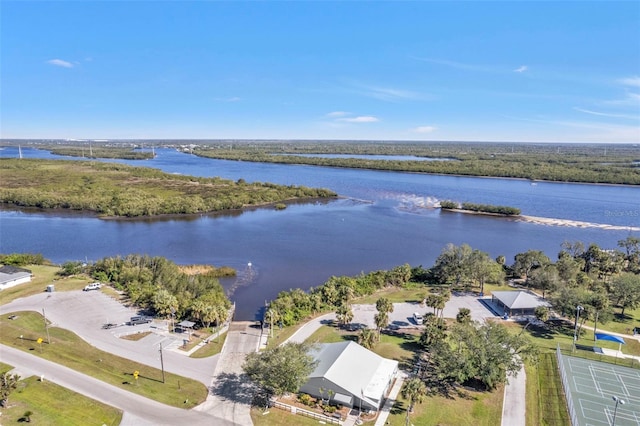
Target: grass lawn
pixel 213 347
pixel 51 404
pixel 621 324
pixel 43 275
pixel 545 396
pixel 547 339
pixel 68 349
pixel 467 408
pixel 392 345
pixel 278 417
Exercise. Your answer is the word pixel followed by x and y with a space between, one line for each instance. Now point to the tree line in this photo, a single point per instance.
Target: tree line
pixel 162 287
pixel 592 164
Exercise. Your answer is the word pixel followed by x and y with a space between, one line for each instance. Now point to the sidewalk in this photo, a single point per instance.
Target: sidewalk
pixel 388 405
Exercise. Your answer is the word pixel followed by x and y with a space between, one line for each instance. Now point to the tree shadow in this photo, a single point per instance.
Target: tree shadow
pixel 233 387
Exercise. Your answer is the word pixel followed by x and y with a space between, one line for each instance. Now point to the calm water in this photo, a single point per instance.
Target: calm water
pixel 385 220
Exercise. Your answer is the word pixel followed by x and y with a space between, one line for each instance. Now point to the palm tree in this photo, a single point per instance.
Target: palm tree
pixel 464 315
pixel 415 391
pixel 367 338
pixel 8 382
pixel 382 320
pixel 344 314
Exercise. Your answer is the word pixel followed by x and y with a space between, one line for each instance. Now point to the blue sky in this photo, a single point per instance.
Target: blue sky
pixel 418 70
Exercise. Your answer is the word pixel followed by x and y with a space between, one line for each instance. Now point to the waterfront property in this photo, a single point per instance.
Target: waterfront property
pixel 517 302
pixel 12 275
pixel 350 375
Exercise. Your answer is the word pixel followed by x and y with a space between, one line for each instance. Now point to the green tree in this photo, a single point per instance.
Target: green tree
pixel 463 315
pixel 163 302
pixel 452 265
pixel 625 291
pixel 632 253
pixel 280 370
pixel 8 383
pixel 344 314
pixel 484 269
pixel 367 338
pixel 382 320
pixel 529 260
pixel 545 278
pixel 414 391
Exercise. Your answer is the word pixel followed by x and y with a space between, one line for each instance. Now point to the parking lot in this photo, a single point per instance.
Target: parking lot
pixel 86 312
pixel 402 315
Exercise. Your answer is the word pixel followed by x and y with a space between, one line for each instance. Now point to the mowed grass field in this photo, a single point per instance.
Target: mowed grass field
pixel 54 405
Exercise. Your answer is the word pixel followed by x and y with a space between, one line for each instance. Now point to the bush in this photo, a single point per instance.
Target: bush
pixel 306 399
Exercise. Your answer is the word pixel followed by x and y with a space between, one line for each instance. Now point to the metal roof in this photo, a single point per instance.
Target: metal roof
pixel 519 299
pixel 354 368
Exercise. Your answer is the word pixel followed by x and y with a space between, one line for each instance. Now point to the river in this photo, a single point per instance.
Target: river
pixel 385 219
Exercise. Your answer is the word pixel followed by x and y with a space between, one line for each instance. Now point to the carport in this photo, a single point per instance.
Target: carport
pixel 186 326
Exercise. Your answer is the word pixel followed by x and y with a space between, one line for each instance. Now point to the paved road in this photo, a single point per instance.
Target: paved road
pixel 231 392
pixel 138 411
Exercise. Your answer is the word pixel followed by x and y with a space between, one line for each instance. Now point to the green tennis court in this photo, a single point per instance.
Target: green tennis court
pixel 591 388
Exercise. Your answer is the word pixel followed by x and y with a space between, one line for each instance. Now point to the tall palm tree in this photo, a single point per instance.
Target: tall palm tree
pixel 382 320
pixel 415 391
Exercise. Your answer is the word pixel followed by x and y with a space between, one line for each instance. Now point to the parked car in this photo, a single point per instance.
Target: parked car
pixel 418 318
pixel 92 286
pixel 139 320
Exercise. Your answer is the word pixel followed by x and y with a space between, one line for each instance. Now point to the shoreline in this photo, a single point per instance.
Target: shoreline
pixel 549 221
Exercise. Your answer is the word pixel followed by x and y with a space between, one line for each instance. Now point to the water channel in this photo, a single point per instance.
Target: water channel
pixel 383 220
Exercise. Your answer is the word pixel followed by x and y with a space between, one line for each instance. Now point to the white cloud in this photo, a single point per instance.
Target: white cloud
pixel 335 114
pixel 604 114
pixel 359 119
pixel 424 129
pixel 522 68
pixel 630 81
pixel 60 63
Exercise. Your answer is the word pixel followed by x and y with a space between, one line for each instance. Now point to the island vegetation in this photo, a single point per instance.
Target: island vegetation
pixel 480 208
pixel 585 163
pixel 111 189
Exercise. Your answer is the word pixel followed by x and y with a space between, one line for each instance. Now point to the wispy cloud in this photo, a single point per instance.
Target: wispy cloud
pixel 60 63
pixel 521 68
pixel 336 114
pixel 457 65
pixel 631 99
pixel 630 81
pixel 389 94
pixel 228 99
pixel 359 119
pixel 424 129
pixel 605 114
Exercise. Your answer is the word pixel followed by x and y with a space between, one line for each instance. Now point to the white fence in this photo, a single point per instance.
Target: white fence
pixel 567 389
pixel 307 413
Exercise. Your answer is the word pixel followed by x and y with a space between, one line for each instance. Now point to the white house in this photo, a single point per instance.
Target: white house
pixel 11 275
pixel 351 375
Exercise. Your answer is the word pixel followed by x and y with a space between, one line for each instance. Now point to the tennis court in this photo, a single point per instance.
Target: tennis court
pixel 592 386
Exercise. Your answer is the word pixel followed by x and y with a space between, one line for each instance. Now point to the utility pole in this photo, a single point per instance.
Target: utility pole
pixel 46 327
pixel 161 363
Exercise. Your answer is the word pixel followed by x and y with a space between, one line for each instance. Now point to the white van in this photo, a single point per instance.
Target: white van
pixel 419 319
